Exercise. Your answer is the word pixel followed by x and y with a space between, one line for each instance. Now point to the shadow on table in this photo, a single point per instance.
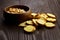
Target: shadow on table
pixel 3 35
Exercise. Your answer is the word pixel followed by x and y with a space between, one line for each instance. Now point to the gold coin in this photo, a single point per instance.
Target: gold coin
pixel 8 12
pixel 33 15
pixel 23 24
pixel 29 28
pixel 49 24
pixel 29 22
pixel 13 9
pixel 51 19
pixel 10 9
pixel 18 10
pixel 41 21
pixel 43 15
pixel 38 16
pixel 35 21
pixel 51 15
pixel 22 11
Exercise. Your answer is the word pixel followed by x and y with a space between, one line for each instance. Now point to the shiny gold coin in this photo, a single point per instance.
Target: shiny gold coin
pixel 23 24
pixel 14 9
pixel 51 19
pixel 49 24
pixel 33 15
pixel 10 9
pixel 8 12
pixel 35 22
pixel 22 11
pixel 43 15
pixel 51 15
pixel 29 28
pixel 38 16
pixel 29 22
pixel 18 10
pixel 41 21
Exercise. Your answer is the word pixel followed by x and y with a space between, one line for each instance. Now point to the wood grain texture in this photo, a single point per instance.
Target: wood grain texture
pixel 15 33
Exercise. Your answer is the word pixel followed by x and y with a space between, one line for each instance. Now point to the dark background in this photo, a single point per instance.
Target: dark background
pixel 8 32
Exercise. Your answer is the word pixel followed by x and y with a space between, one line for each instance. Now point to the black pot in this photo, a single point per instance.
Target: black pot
pixel 16 18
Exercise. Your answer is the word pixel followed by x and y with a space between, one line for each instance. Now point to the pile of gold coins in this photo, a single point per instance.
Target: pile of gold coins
pixel 44 19
pixel 16 10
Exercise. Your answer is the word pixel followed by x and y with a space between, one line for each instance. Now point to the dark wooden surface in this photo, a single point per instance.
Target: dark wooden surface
pixel 8 32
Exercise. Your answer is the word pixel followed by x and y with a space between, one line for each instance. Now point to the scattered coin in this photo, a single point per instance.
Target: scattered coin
pixel 51 19
pixel 51 15
pixel 29 22
pixel 43 15
pixel 23 24
pixel 35 22
pixel 49 24
pixel 33 15
pixel 29 28
pixel 41 21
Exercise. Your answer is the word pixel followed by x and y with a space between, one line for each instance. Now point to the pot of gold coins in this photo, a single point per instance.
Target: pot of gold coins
pixel 16 14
